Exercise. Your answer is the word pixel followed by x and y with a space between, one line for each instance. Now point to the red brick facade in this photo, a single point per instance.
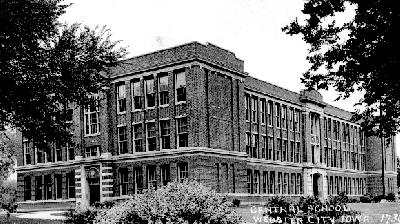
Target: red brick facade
pixel 192 112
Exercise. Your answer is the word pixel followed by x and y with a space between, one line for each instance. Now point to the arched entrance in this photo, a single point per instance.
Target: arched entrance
pixel 93 178
pixel 317 184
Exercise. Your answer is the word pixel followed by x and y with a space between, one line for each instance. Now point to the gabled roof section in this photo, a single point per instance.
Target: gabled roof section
pixel 208 53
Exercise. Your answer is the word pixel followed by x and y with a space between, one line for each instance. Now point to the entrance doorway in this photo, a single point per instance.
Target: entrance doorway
pixel 317 184
pixel 94 190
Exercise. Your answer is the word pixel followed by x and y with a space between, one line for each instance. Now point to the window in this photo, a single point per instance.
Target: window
pixel 265 182
pixel 48 155
pixel 292 187
pixel 255 146
pixel 254 113
pixel 256 187
pixel 279 149
pixel 138 137
pixel 247 102
pixel 284 114
pixel 39 155
pixel 91 120
pixel 123 182
pixel 58 152
pixel 122 140
pixel 296 121
pixel 292 152
pixel 137 103
pixel 27 188
pixel 249 181
pixel 264 147
pixel 298 184
pixel 278 115
pixel 183 171
pixel 70 152
pixel 163 90
pixel 270 108
pixel 48 187
pixel 272 182
pixel 38 188
pixel 26 149
pixel 165 174
pixel 284 150
pixel 180 87
pixel 92 151
pixel 262 111
pixel 291 119
pixel 182 132
pixel 285 183
pixel 279 183
pixel 69 115
pixel 137 180
pixel 270 148
pixel 164 129
pixel 151 136
pixel 297 154
pixel 150 95
pixel 121 98
pixel 71 185
pixel 151 177
pixel 248 143
pixel 58 183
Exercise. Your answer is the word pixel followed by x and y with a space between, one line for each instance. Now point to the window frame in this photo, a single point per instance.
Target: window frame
pixel 182 133
pixel 121 97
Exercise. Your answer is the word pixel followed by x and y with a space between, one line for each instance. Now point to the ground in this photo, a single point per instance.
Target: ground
pixel 372 213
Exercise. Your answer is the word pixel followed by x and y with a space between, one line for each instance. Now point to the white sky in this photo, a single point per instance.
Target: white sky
pixel 249 28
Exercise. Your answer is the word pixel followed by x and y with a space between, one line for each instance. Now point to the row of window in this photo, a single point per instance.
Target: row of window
pixel 343 159
pixel 273 182
pixel 146 97
pixel 350 134
pixel 351 186
pixel 285 150
pixel 263 111
pixel 137 183
pixel 45 156
pixel 147 134
pixel 48 188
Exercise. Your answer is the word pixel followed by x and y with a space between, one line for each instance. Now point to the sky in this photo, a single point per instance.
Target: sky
pixel 249 28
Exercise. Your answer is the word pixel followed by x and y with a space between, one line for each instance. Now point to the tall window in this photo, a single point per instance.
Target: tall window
pixel 254 113
pixel 121 98
pixel 137 98
pixel 292 152
pixel 180 87
pixel 138 137
pixel 183 171
pixel 150 95
pixel 249 181
pixel 27 188
pixel 278 115
pixel 284 150
pixel 58 152
pixel 256 187
pixel 151 177
pixel 165 174
pixel 291 119
pixel 182 132
pixel 284 117
pixel 123 182
pixel 264 147
pixel 248 143
pixel 163 90
pixel 279 149
pixel 39 155
pixel 92 151
pixel 151 136
pixel 58 185
pixel 26 149
pixel 285 183
pixel 262 111
pixel 271 182
pixel 247 102
pixel 71 185
pixel 298 184
pixel 270 148
pixel 48 187
pixel 279 183
pixel 70 152
pixel 265 182
pixel 122 140
pixel 48 155
pixel 254 144
pixel 292 187
pixel 270 109
pixel 137 180
pixel 38 188
pixel 297 154
pixel 91 120
pixel 297 121
pixel 164 129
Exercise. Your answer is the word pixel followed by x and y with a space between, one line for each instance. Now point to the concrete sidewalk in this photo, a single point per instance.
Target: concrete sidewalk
pixel 51 215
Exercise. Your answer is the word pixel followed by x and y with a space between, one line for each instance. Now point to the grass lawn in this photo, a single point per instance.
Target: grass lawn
pixel 14 220
pixel 373 213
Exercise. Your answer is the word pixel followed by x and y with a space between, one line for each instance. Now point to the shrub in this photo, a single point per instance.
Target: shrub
pixel 187 202
pixel 391 197
pixel 104 205
pixel 378 198
pixel 8 195
pixel 81 216
pixel 236 202
pixel 366 198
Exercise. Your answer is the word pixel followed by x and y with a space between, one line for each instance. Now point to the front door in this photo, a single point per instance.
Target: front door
pixel 94 190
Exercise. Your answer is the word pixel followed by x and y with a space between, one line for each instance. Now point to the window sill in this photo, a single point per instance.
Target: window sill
pixel 91 135
pixel 180 102
pixel 150 108
pixel 136 110
pixel 163 106
pixel 121 113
